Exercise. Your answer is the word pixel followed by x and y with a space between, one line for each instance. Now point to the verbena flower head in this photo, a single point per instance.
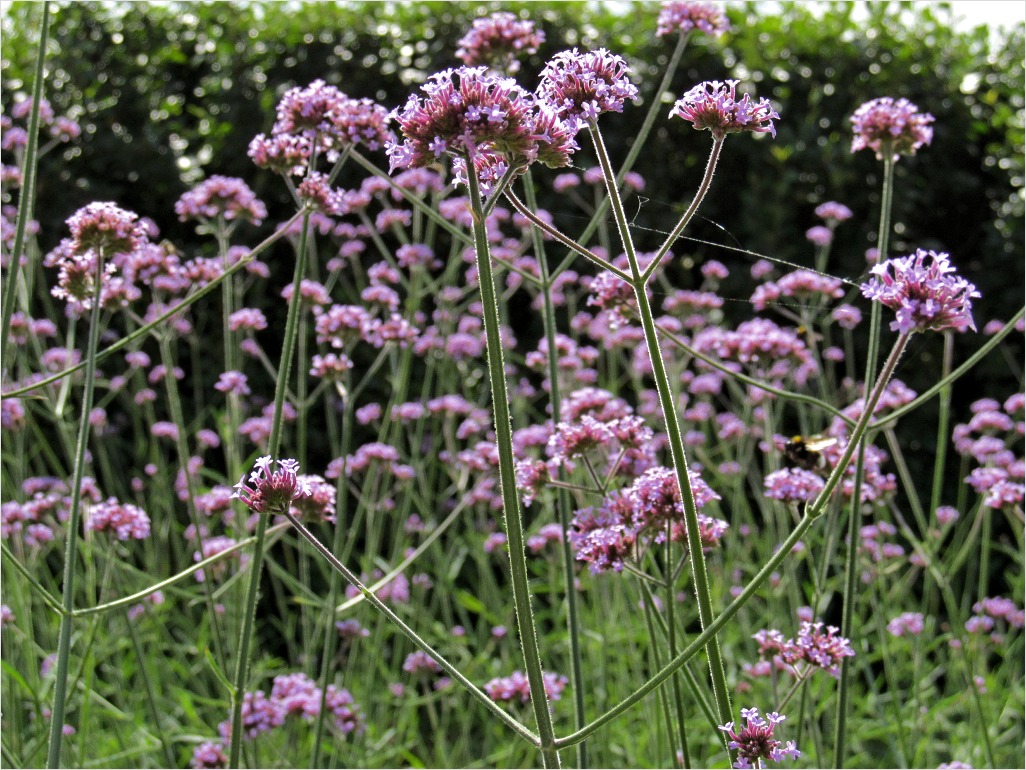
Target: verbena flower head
pixel 715 106
pixel 686 15
pixel 755 742
pixel 271 491
pixel 497 40
pixel 832 211
pixel 892 126
pixel 581 86
pixel 924 291
pixel 102 226
pixel 468 112
pixel 221 196
pixel 516 687
pixel 123 519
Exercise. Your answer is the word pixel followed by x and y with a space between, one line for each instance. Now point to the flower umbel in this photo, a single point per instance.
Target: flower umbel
pixel 584 85
pixel 467 112
pixel 924 291
pixel 497 40
pixel 271 491
pixel 686 15
pixel 890 125
pixel 714 105
pixel 755 742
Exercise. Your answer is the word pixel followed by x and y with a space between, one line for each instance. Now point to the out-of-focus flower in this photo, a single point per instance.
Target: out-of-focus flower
pixel 687 15
pixel 893 126
pixel 217 196
pixel 498 40
pixel 832 211
pixel 906 623
pixel 516 687
pixel 123 519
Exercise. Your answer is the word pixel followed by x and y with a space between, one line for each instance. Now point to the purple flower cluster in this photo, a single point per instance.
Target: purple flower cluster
pixel 104 237
pixel 813 646
pixel 714 105
pixel 988 439
pixel 793 485
pixel 688 15
pixel 498 40
pixel 801 285
pixel 516 687
pixel 605 537
pixel 906 623
pixel 123 519
pixel 419 663
pixel 470 113
pixel 316 119
pixel 771 352
pixel 221 196
pixel 755 741
pixel 291 695
pixel 924 291
pixel 889 126
pixel 833 212
pixel 271 490
pixel 582 86
pixel 991 610
pixel 209 756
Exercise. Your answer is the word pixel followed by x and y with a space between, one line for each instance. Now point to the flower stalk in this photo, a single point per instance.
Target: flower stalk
pixel 26 200
pixel 274 443
pixel 507 477
pixel 674 437
pixel 74 526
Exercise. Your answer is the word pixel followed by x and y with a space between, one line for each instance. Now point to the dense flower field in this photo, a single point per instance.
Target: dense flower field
pixel 434 476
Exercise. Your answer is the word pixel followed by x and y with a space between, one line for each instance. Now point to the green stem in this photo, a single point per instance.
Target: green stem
pixel 26 200
pixel 703 189
pixel 412 635
pixel 674 438
pixel 256 562
pixel 341 529
pixel 563 238
pixel 140 595
pixel 45 595
pixel 73 527
pixel 850 587
pixel 563 502
pixel 653 108
pixel 507 478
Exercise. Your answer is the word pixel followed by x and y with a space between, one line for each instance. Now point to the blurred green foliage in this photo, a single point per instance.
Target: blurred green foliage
pixel 171 93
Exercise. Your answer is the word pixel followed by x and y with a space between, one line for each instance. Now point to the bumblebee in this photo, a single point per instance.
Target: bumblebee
pixel 804 452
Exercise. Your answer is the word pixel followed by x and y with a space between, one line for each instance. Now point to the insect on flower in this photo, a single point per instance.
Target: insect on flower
pixel 804 452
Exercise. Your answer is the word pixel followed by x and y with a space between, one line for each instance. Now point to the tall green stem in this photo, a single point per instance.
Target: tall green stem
pixel 850 585
pixel 674 438
pixel 28 189
pixel 563 502
pixel 330 634
pixel 507 478
pixel 74 525
pixel 256 562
